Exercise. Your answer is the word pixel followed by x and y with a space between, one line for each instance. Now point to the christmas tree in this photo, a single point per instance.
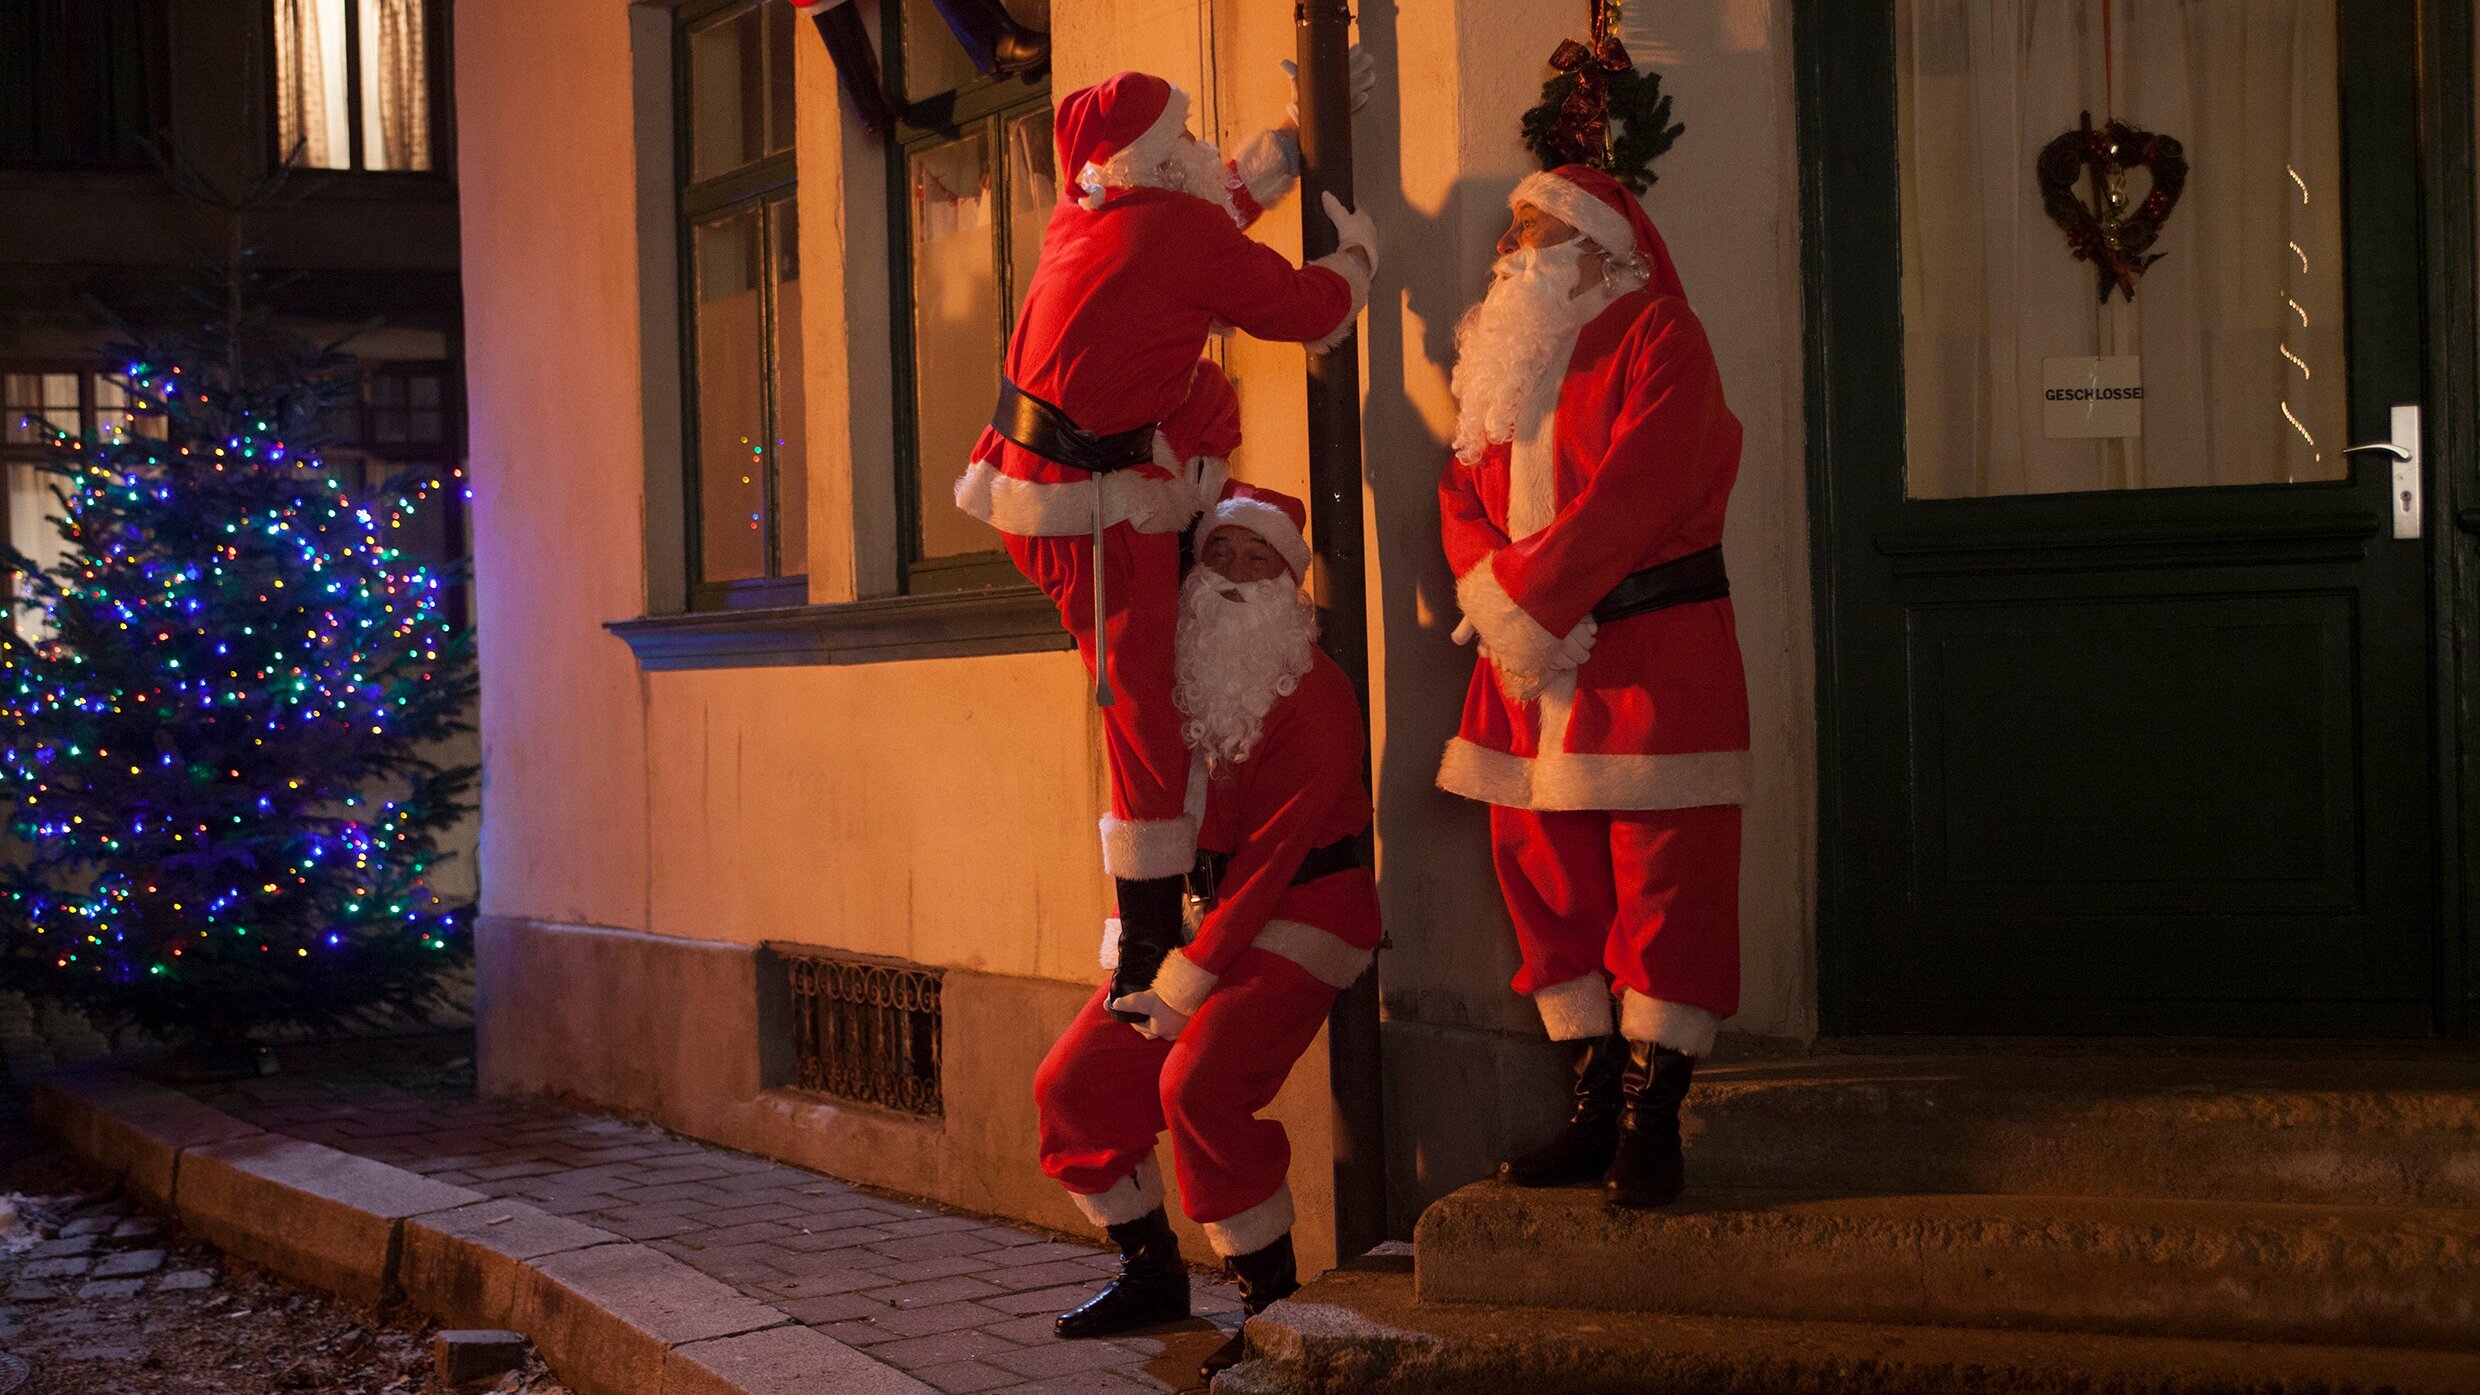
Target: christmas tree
pixel 216 710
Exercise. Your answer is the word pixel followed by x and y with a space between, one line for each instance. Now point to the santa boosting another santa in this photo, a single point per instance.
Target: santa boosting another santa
pixel 1110 429
pixel 1289 919
pixel 1607 726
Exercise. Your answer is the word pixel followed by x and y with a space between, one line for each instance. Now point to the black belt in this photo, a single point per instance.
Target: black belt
pixel 1205 880
pixel 1695 577
pixel 1047 432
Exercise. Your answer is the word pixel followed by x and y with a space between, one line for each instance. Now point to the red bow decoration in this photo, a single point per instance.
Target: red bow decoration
pixel 1583 125
pixel 2110 235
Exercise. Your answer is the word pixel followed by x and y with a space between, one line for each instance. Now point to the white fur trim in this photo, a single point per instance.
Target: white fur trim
pixel 1518 644
pixel 1130 1198
pixel 1683 1027
pixel 1254 1229
pixel 1266 521
pixel 1138 849
pixel 1264 167
pixel 1181 984
pixel 1576 1010
pixel 1532 460
pixel 1569 780
pixel 1347 266
pixel 1133 164
pixel 1108 955
pixel 1032 509
pixel 1328 957
pixel 1606 226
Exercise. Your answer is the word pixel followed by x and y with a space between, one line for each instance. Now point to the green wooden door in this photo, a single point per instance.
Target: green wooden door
pixel 2120 733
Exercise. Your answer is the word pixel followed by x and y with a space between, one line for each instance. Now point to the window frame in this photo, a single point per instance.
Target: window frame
pixel 91 373
pixel 753 187
pixel 987 103
pixel 438 63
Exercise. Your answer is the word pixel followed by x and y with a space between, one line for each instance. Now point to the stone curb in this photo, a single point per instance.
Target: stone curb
pixel 611 1316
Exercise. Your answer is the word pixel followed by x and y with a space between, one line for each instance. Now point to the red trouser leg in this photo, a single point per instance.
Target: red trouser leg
pixel 1554 869
pixel 1148 834
pixel 1677 939
pixel 1227 1065
pixel 1098 1106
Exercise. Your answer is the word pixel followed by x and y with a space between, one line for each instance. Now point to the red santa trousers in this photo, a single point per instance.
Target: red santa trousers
pixel 1649 897
pixel 1149 833
pixel 1104 1092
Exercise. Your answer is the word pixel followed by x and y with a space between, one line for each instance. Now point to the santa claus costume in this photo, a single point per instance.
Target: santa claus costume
pixel 1289 918
pixel 1107 439
pixel 1608 726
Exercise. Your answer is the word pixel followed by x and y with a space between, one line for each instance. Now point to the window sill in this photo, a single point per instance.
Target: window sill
pixel 950 625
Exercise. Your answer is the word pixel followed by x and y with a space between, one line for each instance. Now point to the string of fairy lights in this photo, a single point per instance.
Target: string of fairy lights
pixel 211 748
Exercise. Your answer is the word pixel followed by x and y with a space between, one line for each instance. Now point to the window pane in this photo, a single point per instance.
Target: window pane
pixel 1033 190
pixel 32 507
pixel 727 100
pixel 120 416
pixel 955 332
pixel 730 401
pixel 311 110
pixel 933 61
pixel 2017 368
pixel 791 456
pixel 39 404
pixel 396 93
pixel 779 104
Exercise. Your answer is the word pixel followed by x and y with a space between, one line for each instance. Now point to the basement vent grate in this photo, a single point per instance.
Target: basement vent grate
pixel 866 1031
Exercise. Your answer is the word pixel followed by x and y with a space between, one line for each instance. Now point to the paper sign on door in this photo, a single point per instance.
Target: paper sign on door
pixel 2088 397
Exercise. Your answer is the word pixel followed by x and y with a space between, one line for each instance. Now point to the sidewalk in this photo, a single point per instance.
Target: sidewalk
pixel 960 1302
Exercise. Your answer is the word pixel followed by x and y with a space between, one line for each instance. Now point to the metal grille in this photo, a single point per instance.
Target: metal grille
pixel 866 1032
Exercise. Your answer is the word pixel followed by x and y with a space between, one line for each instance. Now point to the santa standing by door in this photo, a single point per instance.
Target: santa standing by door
pixel 1607 726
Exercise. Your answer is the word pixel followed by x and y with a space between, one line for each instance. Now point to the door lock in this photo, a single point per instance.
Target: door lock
pixel 2405 451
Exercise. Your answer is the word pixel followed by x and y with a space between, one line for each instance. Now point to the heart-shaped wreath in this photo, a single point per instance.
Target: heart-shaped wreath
pixel 2112 236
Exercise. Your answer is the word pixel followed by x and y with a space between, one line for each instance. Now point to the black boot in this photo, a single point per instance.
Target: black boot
pixel 1582 1150
pixel 1152 1285
pixel 1649 1170
pixel 1149 929
pixel 1267 1277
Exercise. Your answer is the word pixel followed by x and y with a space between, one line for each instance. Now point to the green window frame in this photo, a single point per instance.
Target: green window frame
pixel 747 516
pixel 988 111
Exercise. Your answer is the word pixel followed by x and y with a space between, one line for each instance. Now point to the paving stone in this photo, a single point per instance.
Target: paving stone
pixel 822 1285
pixel 966 1377
pixel 94 1289
pixel 66 1245
pixel 87 1225
pixel 604 1316
pixel 462 1265
pixel 913 1353
pixel 137 1227
pixel 128 1126
pixel 922 1322
pixel 932 1291
pixel 938 1246
pixel 184 1279
pixel 460 1355
pixel 915 1271
pixel 32 1291
pixel 828 1309
pixel 127 1264
pixel 1044 1253
pixel 1033 1276
pixel 780 1361
pixel 1029 1329
pixel 54 1268
pixel 308 1211
pixel 1044 1300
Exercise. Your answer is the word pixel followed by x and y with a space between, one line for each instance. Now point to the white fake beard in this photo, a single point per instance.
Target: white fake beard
pixel 1197 168
pixel 1503 343
pixel 1233 658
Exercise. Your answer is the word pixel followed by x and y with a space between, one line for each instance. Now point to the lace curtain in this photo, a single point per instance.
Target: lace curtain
pixel 314 103
pixel 2239 326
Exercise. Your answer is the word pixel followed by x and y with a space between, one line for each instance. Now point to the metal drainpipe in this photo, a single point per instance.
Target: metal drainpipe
pixel 1354 1073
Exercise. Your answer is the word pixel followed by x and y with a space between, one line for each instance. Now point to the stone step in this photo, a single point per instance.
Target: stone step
pixel 2377 1128
pixel 1360 1331
pixel 2359 1275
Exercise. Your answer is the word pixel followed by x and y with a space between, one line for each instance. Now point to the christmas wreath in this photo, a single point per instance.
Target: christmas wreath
pixel 1630 130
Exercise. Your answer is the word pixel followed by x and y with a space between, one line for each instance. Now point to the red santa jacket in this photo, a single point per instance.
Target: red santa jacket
pixel 1642 453
pixel 1112 331
pixel 1299 789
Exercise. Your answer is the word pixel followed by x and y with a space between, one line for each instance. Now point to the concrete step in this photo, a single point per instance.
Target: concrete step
pixel 2372 1127
pixel 1360 1331
pixel 2362 1275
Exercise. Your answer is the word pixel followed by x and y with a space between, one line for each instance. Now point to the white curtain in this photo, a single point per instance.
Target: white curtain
pixel 309 83
pixel 2239 326
pixel 396 100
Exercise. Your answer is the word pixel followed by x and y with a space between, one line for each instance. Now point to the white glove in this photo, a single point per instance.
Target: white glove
pixel 1364 70
pixel 1162 1021
pixel 1464 631
pixel 1578 646
pixel 1353 229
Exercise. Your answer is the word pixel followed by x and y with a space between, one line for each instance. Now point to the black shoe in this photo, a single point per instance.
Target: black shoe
pixel 1582 1150
pixel 1149 929
pixel 1152 1286
pixel 1649 1169
pixel 1267 1277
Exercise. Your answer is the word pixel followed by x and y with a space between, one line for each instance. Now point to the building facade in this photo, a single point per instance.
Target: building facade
pixel 791 784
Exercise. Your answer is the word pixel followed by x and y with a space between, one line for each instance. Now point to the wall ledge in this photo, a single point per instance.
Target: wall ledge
pixel 942 625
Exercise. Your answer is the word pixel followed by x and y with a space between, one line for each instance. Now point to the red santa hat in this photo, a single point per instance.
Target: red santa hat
pixel 1597 205
pixel 1127 122
pixel 1280 519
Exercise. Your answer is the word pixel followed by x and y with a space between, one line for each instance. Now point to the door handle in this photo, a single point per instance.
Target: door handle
pixel 2405 450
